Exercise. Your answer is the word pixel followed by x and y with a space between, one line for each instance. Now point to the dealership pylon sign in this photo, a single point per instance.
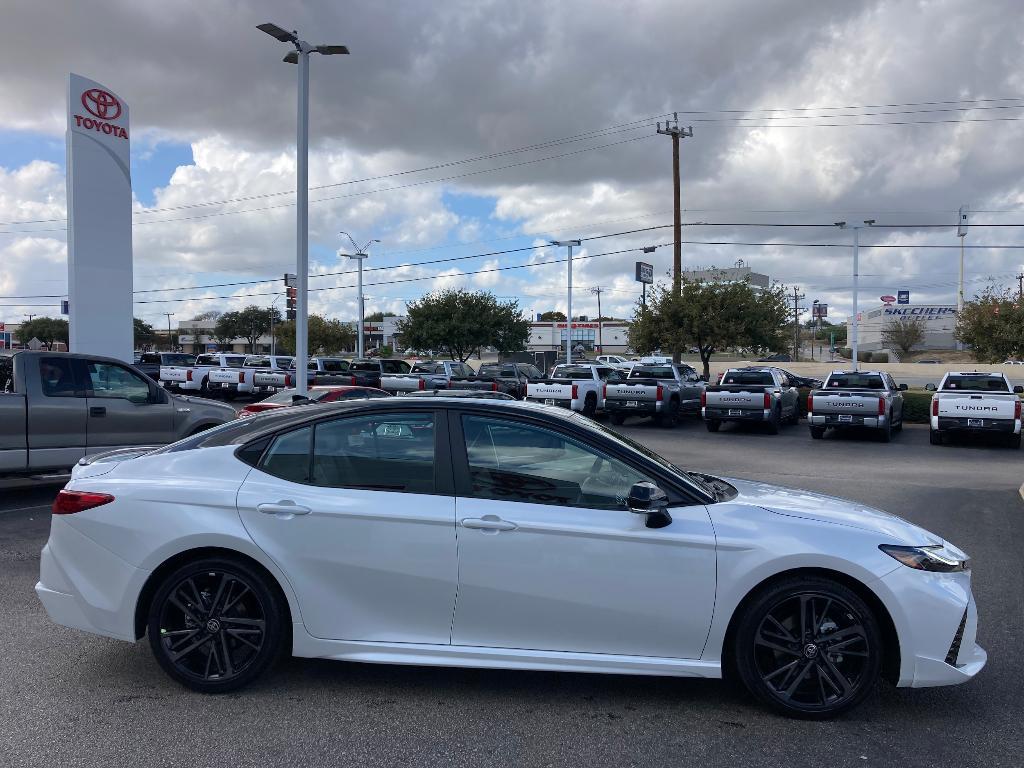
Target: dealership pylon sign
pixel 99 189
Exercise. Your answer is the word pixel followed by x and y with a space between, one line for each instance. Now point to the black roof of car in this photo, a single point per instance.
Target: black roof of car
pixel 477 393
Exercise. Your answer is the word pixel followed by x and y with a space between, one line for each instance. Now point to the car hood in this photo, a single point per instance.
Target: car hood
pixel 212 405
pixel 829 509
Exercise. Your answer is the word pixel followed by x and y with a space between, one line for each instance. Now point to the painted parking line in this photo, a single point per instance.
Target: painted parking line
pixel 26 509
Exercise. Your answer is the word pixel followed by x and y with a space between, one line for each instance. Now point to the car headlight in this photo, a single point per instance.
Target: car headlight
pixel 928 558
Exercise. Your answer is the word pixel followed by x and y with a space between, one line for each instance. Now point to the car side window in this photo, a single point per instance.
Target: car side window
pixel 56 375
pixel 6 374
pixel 288 456
pixel 512 461
pixel 380 451
pixel 108 380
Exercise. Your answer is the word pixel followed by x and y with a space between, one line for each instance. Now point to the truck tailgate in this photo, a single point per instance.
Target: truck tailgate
pixel 964 405
pixel 742 398
pixel 401 382
pixel 467 383
pixel 632 391
pixel 227 375
pixel 544 390
pixel 173 373
pixel 278 379
pixel 858 403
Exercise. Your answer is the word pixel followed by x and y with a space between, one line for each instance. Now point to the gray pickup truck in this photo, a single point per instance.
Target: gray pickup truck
pixel 663 392
pixel 866 399
pixel 56 408
pixel 763 395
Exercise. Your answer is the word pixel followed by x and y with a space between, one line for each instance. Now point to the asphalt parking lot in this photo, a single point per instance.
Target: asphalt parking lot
pixel 70 699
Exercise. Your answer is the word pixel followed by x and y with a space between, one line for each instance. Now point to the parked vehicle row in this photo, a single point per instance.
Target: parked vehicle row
pixel 578 387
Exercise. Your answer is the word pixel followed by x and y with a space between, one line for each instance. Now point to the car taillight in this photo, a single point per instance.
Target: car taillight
pixel 881 406
pixel 494 386
pixel 767 401
pixel 935 407
pixel 703 399
pixel 69 502
pixel 241 377
pixel 661 393
pixel 188 375
pixel 353 381
pixel 287 380
pixel 422 384
pixel 604 392
pixel 810 403
pixel 575 391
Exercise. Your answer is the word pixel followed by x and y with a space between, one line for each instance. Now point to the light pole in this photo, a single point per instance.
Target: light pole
pixel 359 256
pixel 273 340
pixel 169 316
pixel 300 56
pixel 814 325
pixel 961 232
pixel 854 337
pixel 568 325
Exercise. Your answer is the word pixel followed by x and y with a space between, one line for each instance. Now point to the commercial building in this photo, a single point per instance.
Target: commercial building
pixel 195 337
pixel 939 322
pixel 737 274
pixel 550 336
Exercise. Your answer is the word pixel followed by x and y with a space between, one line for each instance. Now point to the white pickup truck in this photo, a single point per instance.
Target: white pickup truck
pixel 577 387
pixel 196 377
pixel 241 380
pixel 322 371
pixel 975 402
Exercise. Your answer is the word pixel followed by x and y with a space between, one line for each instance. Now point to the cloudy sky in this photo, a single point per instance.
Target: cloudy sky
pixel 465 134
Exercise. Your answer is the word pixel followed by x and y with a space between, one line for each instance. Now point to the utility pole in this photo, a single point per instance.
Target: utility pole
pixel 797 298
pixel 600 336
pixel 1020 287
pixel 169 316
pixel 568 324
pixel 676 133
pixel 854 329
pixel 360 256
pixel 29 317
pixel 961 232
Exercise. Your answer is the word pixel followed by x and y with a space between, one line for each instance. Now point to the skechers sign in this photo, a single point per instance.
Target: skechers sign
pixel 104 107
pixel 925 313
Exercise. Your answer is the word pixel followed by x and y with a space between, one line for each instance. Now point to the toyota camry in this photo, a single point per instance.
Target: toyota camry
pixel 472 533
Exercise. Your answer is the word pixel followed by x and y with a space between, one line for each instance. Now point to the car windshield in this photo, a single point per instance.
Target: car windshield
pixel 284 363
pixel 494 370
pixel 976 383
pixel 572 372
pixel 231 362
pixel 652 372
pixel 855 381
pixel 758 378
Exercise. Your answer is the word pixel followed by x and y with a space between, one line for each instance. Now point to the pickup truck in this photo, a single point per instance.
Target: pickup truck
pixel 57 407
pixel 323 371
pixel 762 395
pixel 577 387
pixel 196 377
pixel 510 378
pixel 847 399
pixel 429 374
pixel 975 402
pixel 367 372
pixel 241 380
pixel 150 363
pixel 616 361
pixel 663 392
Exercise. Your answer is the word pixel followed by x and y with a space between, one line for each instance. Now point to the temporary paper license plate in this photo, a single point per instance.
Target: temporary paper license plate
pixel 549 402
pixel 975 422
pixel 735 412
pixel 845 417
pixel 632 404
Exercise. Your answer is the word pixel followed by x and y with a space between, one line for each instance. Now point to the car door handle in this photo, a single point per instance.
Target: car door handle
pixel 97 410
pixel 488 523
pixel 283 508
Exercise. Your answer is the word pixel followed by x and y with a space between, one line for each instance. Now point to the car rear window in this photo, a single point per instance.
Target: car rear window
pixel 368 365
pixel 173 360
pixel 231 362
pixel 257 362
pixel 757 378
pixel 395 366
pixel 428 368
pixel 651 372
pixel 572 372
pixel 977 383
pixel 855 381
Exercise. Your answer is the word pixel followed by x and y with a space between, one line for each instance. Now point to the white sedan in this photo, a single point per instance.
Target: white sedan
pixel 477 533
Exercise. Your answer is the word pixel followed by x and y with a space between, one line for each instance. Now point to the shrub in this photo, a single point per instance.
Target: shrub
pixel 917 407
pixel 879 357
pixel 864 357
pixel 846 352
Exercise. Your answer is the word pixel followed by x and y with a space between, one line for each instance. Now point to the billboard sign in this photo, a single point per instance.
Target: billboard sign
pixel 819 310
pixel 99 200
pixel 903 297
pixel 888 299
pixel 644 272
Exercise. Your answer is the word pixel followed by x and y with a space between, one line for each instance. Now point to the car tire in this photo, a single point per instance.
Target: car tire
pixel 216 624
pixel 773 422
pixel 885 434
pixel 713 425
pixel 1014 441
pixel 590 406
pixel 935 437
pixel 669 418
pixel 817 433
pixel 230 394
pixel 204 387
pixel 791 658
pixel 618 419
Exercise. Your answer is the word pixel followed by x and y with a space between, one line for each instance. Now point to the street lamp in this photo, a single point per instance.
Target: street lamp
pixel 359 256
pixel 854 335
pixel 300 56
pixel 568 325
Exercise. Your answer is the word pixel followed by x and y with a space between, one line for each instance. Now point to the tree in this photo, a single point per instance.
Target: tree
pixel 376 317
pixel 993 325
pixel 249 324
pixel 459 322
pixel 325 336
pixel 143 332
pixel 49 330
pixel 553 316
pixel 903 334
pixel 711 317
pixel 226 328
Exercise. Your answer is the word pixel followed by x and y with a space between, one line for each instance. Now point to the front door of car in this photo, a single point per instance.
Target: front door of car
pixel 124 408
pixel 551 559
pixel 358 512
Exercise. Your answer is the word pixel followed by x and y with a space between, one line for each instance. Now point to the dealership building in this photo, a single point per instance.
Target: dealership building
pixel 611 335
pixel 939 324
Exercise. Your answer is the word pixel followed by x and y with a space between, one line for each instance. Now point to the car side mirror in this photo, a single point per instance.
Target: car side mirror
pixel 903 387
pixel 648 499
pixel 929 387
pixel 1018 390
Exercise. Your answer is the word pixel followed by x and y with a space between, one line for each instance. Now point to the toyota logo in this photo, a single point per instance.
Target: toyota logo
pixel 101 104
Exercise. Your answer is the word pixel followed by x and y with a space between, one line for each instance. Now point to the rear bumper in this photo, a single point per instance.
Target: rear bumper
pixel 572 405
pixel 714 413
pixel 833 420
pixel 626 406
pixel 957 424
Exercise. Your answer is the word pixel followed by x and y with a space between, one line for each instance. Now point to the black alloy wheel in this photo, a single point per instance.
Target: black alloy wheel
pixel 590 406
pixel 215 625
pixel 810 648
pixel 670 417
pixel 774 421
pixel 885 433
pixel 618 419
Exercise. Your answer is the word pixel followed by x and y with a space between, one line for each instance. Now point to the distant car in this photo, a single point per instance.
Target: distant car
pixel 781 357
pixel 477 393
pixel 803 381
pixel 151 362
pixel 935 361
pixel 286 398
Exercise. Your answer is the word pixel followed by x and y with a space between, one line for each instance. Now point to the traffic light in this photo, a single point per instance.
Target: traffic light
pixel 292 295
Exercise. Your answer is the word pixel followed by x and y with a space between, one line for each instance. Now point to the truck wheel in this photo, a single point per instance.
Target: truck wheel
pixel 204 387
pixel 590 406
pixel 817 433
pixel 229 394
pixel 1015 441
pixel 671 417
pixel 886 433
pixel 618 419
pixel 773 422
pixel 935 437
pixel 712 425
